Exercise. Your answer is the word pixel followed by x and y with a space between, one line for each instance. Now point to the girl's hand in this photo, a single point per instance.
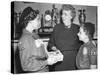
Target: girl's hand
pixel 38 42
pixel 54 48
pixel 51 61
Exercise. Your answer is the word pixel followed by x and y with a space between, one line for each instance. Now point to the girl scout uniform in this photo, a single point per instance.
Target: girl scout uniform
pixel 32 55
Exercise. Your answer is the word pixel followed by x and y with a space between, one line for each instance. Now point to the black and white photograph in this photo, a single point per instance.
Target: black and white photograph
pixel 53 37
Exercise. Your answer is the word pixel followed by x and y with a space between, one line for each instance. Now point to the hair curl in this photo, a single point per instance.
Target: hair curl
pixel 89 28
pixel 69 7
pixel 27 15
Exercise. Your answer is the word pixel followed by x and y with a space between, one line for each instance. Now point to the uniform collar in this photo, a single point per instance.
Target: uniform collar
pixel 70 27
pixel 33 34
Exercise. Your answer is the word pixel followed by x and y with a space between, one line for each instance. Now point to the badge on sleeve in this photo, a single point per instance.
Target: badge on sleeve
pixel 93 51
pixel 21 46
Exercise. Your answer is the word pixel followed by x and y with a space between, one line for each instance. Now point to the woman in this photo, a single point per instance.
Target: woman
pixel 32 53
pixel 65 39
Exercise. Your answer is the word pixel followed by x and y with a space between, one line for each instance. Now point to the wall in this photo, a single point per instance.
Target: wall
pixel 91 11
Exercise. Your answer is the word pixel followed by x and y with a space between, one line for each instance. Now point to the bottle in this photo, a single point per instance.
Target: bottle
pixel 42 23
pixel 54 15
pixel 82 16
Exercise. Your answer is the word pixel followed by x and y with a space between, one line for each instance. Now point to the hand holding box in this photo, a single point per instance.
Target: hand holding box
pixel 56 55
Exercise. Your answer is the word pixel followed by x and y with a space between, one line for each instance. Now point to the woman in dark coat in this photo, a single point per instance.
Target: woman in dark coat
pixel 65 39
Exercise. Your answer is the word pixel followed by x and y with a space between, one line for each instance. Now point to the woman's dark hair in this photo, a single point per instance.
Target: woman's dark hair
pixel 68 7
pixel 89 28
pixel 27 15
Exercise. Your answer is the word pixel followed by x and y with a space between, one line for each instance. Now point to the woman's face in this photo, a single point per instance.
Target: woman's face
pixel 82 34
pixel 36 22
pixel 66 17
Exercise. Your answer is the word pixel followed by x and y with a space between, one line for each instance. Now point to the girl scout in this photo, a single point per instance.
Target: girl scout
pixel 32 53
pixel 87 55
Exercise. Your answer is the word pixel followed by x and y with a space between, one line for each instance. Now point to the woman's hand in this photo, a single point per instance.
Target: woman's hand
pixel 51 61
pixel 54 48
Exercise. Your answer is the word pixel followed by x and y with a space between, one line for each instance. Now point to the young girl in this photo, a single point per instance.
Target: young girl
pixel 31 49
pixel 87 55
